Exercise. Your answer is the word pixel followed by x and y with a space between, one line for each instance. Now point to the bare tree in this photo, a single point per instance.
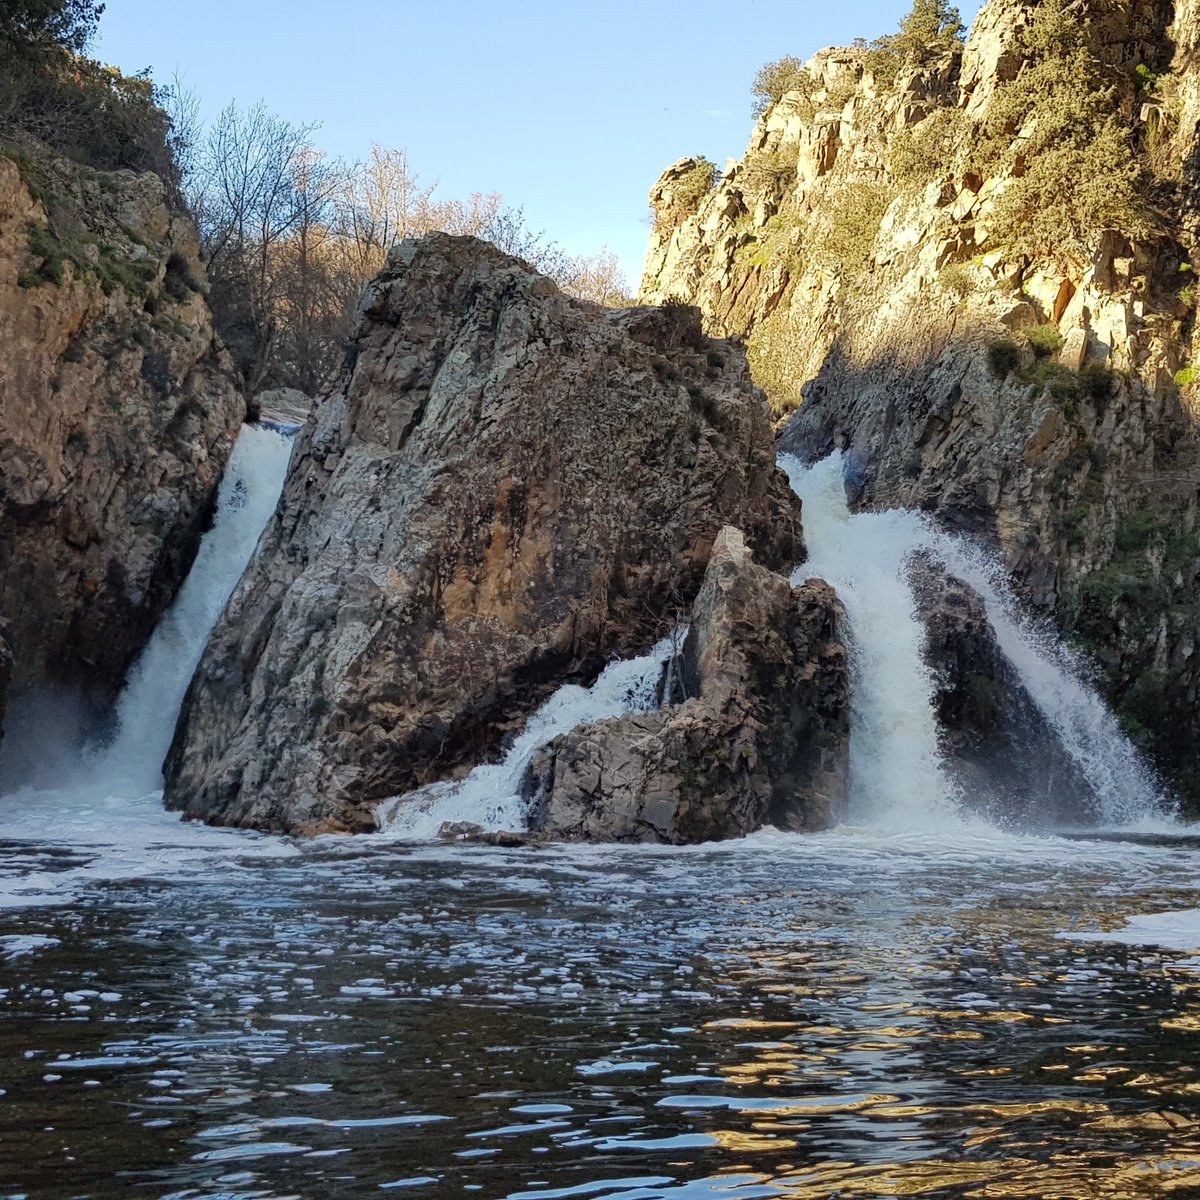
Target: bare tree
pixel 248 200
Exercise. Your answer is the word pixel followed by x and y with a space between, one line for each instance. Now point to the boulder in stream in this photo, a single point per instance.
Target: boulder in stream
pixel 997 743
pixel 509 487
pixel 763 738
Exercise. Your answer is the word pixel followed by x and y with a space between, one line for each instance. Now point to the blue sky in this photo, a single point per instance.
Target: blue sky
pixel 570 110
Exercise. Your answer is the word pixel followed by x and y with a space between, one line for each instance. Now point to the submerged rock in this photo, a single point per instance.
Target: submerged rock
pixel 118 412
pixel 1008 760
pixel 763 739
pixel 510 486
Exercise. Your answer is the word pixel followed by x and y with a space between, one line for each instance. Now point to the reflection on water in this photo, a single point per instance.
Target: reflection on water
pixel 837 1016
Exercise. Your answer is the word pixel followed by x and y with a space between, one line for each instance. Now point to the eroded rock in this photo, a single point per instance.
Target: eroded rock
pixel 118 412
pixel 510 486
pixel 763 740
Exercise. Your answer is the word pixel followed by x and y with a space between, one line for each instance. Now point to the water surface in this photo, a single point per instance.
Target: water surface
pixel 856 1014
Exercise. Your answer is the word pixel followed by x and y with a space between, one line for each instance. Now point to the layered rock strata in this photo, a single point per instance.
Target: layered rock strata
pixel 763 738
pixel 118 412
pixel 509 487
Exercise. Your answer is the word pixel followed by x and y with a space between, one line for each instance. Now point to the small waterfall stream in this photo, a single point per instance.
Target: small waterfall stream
pixel 896 772
pixel 489 795
pixel 104 803
pixel 895 764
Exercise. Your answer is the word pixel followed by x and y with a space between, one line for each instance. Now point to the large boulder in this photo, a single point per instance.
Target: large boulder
pixel 764 738
pixel 118 412
pixel 1006 757
pixel 511 486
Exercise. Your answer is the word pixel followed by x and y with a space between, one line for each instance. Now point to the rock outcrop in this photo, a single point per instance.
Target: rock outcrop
pixel 764 738
pixel 1003 753
pixel 510 486
pixel 1042 399
pixel 118 412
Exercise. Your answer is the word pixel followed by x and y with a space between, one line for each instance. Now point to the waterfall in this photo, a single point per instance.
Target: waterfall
pixel 154 691
pixel 489 796
pixel 50 747
pixel 896 770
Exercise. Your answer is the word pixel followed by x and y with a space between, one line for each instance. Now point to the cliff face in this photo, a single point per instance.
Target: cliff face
pixel 1026 381
pixel 510 486
pixel 117 414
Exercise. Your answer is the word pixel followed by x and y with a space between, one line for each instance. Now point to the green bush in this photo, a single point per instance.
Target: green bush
pixel 1057 130
pixel 1187 376
pixel 928 150
pixel 1004 357
pixel 845 238
pixel 956 278
pixel 776 79
pixel 1096 381
pixel 1045 340
pixel 50 90
pixel 688 192
pixel 770 172
pixel 931 27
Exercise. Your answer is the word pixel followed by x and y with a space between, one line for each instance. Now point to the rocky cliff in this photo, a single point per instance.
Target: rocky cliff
pixel 508 487
pixel 117 414
pixel 973 271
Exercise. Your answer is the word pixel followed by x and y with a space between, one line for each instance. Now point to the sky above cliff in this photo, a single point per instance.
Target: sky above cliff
pixel 571 111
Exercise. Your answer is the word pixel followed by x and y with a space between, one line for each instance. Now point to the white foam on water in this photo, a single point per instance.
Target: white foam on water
pixel 1170 930
pixel 105 806
pixel 896 769
pixel 489 795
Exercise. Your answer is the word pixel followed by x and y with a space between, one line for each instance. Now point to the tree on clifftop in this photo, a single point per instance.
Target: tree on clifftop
pixel 31 29
pixel 931 26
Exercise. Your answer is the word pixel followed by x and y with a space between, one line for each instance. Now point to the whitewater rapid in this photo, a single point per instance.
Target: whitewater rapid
pixel 97 809
pixel 489 796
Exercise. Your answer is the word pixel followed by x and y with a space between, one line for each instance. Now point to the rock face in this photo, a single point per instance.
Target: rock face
pixel 5 678
pixel 1042 403
pixel 1008 761
pixel 764 738
pixel 510 486
pixel 117 414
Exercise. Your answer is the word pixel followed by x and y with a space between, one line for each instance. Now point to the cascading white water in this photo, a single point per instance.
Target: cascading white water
pixel 488 796
pixel 105 803
pixel 156 685
pixel 896 768
pixel 896 771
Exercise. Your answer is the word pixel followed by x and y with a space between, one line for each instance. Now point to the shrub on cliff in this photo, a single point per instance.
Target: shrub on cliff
pixel 930 28
pixel 32 30
pixel 842 242
pixel 776 79
pixel 1056 131
pixel 688 192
